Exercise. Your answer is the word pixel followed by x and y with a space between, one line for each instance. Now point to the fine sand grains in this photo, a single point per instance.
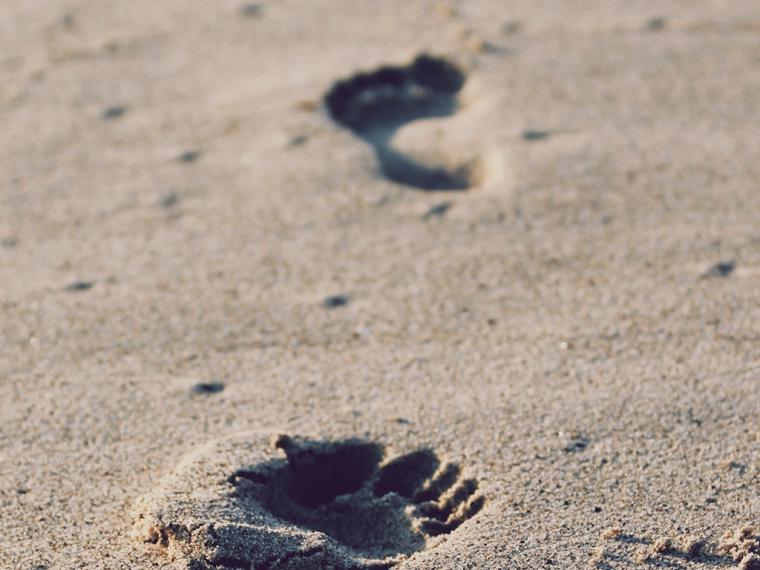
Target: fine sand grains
pixel 738 549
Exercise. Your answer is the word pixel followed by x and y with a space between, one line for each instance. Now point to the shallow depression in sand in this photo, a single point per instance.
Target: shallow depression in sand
pixel 303 503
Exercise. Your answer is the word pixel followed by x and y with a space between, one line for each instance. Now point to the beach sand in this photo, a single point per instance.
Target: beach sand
pixel 494 304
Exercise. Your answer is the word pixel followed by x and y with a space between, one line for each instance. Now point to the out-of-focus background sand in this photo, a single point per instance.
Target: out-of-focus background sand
pixel 558 331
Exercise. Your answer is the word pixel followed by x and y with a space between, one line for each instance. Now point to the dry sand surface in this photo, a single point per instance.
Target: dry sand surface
pixel 352 284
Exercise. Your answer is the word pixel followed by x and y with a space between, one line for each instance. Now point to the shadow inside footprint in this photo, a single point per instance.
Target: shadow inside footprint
pixel 375 510
pixel 376 104
pixel 318 478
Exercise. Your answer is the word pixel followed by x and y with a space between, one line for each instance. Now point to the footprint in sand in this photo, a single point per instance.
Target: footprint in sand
pixel 244 503
pixel 375 105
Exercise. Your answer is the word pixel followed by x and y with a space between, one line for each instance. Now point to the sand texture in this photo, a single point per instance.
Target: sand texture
pixel 302 284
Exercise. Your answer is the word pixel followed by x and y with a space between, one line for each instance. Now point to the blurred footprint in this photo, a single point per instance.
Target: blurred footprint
pixel 376 105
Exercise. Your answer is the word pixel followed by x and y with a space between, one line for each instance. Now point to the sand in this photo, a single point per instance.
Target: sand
pixel 507 319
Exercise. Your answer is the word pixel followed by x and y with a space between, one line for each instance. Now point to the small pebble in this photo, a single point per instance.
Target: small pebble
pixel 79 286
pixel 577 444
pixel 189 156
pixel 298 141
pixel 530 135
pixel 438 210
pixel 170 200
pixel 722 269
pixel 656 24
pixel 114 112
pixel 207 388
pixel 399 420
pixel 335 301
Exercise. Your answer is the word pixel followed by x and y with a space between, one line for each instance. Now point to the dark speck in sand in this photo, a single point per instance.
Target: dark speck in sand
pixel 722 269
pixel 437 211
pixel 510 28
pixel 169 200
pixel 298 140
pixel 250 10
pixel 577 444
pixel 189 156
pixel 530 135
pixel 79 286
pixel 335 301
pixel 656 24
pixel 207 388
pixel 8 242
pixel 114 112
